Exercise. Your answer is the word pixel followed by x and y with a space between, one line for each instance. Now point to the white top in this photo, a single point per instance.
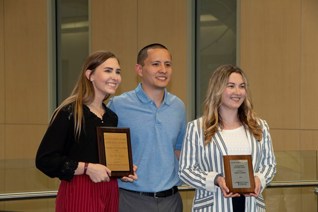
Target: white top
pixel 236 141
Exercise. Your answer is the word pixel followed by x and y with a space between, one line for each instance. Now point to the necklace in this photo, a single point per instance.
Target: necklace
pixel 99 112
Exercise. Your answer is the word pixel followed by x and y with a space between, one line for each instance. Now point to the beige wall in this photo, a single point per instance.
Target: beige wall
pixel 23 94
pixel 2 146
pixel 277 47
pixel 278 42
pixel 126 26
pixel 23 63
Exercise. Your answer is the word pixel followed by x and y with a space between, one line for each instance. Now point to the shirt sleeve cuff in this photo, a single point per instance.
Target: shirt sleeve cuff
pixel 210 186
pixel 262 179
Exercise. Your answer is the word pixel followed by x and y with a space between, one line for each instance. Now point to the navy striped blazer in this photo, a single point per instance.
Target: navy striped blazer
pixel 199 165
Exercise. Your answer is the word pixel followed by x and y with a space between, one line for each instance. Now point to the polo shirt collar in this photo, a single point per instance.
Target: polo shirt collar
pixel 142 96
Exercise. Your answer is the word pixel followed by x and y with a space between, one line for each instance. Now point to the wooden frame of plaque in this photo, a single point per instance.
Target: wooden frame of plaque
pixel 114 150
pixel 239 174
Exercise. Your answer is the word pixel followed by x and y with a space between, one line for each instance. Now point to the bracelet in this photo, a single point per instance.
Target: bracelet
pixel 85 168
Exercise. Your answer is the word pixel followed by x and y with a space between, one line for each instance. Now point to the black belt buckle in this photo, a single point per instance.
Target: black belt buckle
pixel 166 193
pixel 155 195
pixel 160 194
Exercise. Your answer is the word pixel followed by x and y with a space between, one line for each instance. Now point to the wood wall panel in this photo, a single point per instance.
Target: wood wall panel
pixel 2 158
pixel 140 23
pixel 2 82
pixel 2 101
pixel 24 140
pixel 309 68
pixel 2 144
pixel 290 199
pixel 114 28
pixel 165 22
pixel 187 199
pixel 270 52
pixel 26 59
pixel 308 140
pixel 23 89
pixel 278 51
pixel 285 140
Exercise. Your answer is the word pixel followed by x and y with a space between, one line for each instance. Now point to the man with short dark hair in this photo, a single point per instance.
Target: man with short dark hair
pixel 157 123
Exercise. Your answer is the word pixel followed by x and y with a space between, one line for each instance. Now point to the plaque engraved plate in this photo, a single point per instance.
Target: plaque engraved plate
pixel 239 174
pixel 114 150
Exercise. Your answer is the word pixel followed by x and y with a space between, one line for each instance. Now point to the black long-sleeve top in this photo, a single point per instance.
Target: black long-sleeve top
pixel 59 152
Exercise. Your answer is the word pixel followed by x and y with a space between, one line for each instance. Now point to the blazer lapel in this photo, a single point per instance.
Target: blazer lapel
pixel 255 146
pixel 219 142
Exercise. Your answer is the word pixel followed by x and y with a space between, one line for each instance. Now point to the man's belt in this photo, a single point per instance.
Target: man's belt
pixel 160 194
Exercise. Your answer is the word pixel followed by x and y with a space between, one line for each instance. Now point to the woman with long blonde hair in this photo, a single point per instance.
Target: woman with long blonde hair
pixel 69 149
pixel 229 126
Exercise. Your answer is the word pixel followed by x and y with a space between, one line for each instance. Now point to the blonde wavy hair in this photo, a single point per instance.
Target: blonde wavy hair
pixel 83 92
pixel 211 116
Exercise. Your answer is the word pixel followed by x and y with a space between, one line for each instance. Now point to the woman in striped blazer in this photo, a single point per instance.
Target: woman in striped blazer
pixel 228 126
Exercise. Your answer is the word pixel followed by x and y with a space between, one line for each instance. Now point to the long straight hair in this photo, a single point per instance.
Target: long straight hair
pixel 212 119
pixel 83 92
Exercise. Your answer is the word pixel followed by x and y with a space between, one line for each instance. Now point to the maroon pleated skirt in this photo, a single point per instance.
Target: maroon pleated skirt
pixel 83 195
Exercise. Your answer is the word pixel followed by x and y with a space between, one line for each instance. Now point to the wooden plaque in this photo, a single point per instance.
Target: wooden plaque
pixel 114 150
pixel 239 174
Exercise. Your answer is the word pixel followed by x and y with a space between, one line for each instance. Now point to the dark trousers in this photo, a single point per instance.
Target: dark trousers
pixel 238 203
pixel 133 202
